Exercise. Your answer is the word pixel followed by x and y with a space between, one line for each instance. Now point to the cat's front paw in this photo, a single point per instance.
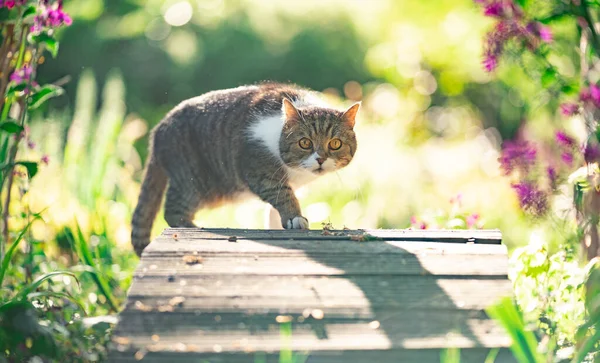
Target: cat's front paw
pixel 297 222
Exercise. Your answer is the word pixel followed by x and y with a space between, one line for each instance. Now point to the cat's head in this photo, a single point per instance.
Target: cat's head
pixel 317 139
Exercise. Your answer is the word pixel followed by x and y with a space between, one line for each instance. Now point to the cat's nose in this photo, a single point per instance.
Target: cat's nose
pixel 320 161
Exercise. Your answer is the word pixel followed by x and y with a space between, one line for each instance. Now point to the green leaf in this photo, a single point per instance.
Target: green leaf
pixel 11 127
pixel 29 11
pixel 45 93
pixel 570 89
pixel 11 250
pixel 549 77
pixel 47 40
pixel 31 166
pixel 587 347
pixel 554 17
pixel 20 87
pixel 598 133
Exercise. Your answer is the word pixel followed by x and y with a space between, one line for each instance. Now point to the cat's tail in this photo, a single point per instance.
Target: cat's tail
pixel 153 187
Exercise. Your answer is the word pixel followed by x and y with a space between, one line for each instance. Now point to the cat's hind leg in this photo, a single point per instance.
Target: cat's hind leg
pixel 182 202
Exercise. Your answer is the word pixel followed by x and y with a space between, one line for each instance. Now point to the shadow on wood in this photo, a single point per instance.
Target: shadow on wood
pixel 219 295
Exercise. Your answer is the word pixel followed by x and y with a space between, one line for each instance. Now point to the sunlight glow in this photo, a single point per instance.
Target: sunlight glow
pixel 179 13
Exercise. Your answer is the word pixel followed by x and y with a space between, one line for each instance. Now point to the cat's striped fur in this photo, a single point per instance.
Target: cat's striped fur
pixel 226 144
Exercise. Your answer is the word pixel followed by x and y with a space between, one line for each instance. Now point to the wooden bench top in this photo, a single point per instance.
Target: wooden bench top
pixel 225 295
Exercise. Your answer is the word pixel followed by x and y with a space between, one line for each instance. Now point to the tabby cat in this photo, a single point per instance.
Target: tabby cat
pixel 263 140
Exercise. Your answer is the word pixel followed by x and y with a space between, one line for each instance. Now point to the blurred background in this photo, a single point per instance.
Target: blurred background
pixel 429 130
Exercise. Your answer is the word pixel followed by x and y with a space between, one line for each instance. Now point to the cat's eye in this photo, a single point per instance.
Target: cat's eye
pixel 305 143
pixel 335 144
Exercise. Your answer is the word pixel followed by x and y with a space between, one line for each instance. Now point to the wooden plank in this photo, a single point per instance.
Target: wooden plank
pixel 450 236
pixel 327 264
pixel 416 329
pixel 169 246
pixel 299 292
pixel 403 297
pixel 475 355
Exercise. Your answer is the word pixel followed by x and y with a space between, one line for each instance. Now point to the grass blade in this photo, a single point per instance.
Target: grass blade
pixel 491 357
pixel 450 355
pixel 62 295
pixel 35 284
pixel 86 256
pixel 524 342
pixel 587 347
pixel 10 252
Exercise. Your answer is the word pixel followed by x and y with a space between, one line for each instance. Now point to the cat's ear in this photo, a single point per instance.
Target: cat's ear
pixel 349 116
pixel 290 111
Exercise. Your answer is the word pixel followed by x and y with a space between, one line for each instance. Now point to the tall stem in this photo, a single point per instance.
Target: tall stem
pixel 13 151
pixel 588 18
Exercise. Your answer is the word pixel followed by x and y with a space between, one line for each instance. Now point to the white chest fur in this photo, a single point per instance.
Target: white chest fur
pixel 267 130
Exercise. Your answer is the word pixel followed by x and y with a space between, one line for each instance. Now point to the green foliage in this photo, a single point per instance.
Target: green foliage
pixel 524 346
pixel 588 334
pixel 11 127
pixel 44 94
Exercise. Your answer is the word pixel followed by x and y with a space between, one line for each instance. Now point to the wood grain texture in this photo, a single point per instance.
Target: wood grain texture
pixel 201 296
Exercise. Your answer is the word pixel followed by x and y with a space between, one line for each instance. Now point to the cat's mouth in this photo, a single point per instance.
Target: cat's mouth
pixel 319 170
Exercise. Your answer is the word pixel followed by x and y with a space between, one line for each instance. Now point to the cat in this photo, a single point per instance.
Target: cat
pixel 264 140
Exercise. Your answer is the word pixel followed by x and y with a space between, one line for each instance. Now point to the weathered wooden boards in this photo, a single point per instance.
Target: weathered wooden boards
pixel 226 295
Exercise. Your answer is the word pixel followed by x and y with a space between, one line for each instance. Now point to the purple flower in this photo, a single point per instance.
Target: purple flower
pixel 45 159
pixel 51 16
pixel 591 153
pixel 517 155
pixel 494 9
pixel 21 75
pixel 57 17
pixel 564 140
pixel 531 199
pixel 584 94
pixel 569 109
pixel 552 176
pixel 472 219
pixel 490 63
pixel 30 144
pixel 567 158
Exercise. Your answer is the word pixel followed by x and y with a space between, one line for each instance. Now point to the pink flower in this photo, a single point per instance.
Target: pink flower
pixel 45 159
pixel 472 219
pixel 595 94
pixel 457 199
pixel 545 33
pixel 569 109
pixel 22 75
pixel 490 63
pixel 30 144
pixel 564 140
